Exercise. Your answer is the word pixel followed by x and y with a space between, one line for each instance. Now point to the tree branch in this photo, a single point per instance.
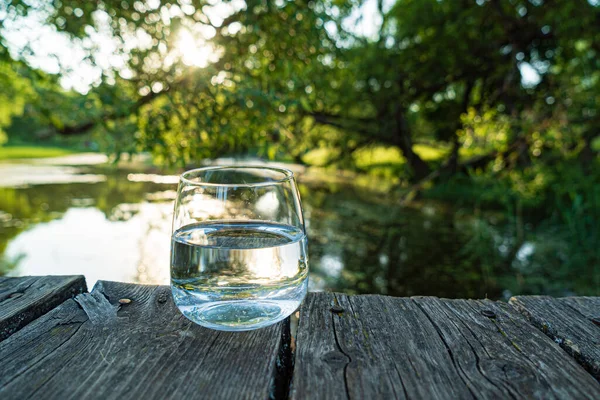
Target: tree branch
pixel 474 162
pixel 84 127
pixel 327 119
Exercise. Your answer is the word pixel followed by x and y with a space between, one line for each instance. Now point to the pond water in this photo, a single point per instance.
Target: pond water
pixel 114 224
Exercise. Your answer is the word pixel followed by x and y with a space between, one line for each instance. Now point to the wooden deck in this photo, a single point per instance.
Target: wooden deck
pixel 126 341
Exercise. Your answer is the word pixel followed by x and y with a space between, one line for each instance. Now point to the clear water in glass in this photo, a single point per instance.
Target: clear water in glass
pixel 238 273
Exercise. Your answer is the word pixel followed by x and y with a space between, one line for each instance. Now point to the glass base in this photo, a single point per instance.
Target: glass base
pixel 239 315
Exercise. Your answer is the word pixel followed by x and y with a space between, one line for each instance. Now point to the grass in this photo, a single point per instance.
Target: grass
pixel 380 161
pixel 429 153
pixel 17 152
pixel 390 156
pixel 388 162
pixel 377 157
pixel 319 156
pixel 369 157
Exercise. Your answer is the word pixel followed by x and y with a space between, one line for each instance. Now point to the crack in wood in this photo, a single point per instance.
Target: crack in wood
pixel 337 342
pixel 428 348
pixel 441 336
pixel 567 322
pixel 418 347
pixel 508 389
pixel 401 383
pixel 151 352
pixel 284 368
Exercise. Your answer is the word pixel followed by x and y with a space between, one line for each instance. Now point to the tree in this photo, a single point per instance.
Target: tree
pixel 287 76
pixel 15 93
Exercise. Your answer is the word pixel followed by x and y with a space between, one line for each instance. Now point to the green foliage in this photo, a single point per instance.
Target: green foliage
pixel 487 130
pixel 284 78
pixel 435 84
pixel 19 152
pixel 549 213
pixel 14 95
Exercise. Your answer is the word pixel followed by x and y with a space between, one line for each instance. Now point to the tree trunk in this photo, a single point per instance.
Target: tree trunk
pixel 403 140
pixel 586 156
pixel 453 160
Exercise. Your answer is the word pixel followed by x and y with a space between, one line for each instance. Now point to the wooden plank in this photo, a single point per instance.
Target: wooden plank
pixel 572 322
pixel 26 298
pixel 93 347
pixel 385 347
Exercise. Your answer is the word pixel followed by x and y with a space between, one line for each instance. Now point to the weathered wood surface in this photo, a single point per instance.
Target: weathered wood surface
pixel 572 322
pixel 385 347
pixel 93 347
pixel 26 298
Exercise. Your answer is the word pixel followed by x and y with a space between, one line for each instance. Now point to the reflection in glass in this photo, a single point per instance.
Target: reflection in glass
pixel 238 252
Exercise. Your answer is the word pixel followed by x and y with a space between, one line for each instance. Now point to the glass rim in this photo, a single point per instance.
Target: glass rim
pixel 288 175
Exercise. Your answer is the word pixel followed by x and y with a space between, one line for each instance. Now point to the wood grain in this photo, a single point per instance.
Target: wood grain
pixel 385 347
pixel 26 298
pixel 94 347
pixel 569 322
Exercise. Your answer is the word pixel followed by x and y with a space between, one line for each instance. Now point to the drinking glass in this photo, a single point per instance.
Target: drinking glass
pixel 239 256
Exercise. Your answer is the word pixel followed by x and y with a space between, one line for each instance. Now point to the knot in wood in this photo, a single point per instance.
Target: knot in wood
pixel 488 313
pixel 16 295
pixel 162 297
pixel 336 309
pixel 335 358
pixel 516 372
pixel 596 321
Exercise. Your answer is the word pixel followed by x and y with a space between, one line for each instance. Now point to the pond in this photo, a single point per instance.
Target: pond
pixel 114 224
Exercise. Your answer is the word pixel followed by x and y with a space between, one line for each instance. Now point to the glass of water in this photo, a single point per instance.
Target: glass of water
pixel 239 251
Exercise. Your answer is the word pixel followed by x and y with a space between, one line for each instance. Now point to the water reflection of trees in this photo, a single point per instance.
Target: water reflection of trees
pixel 21 208
pixel 413 251
pixel 363 243
pixel 360 241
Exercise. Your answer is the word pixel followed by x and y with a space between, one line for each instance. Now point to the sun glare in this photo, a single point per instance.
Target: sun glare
pixel 195 51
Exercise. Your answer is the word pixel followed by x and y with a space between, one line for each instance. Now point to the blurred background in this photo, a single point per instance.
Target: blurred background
pixel 443 147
